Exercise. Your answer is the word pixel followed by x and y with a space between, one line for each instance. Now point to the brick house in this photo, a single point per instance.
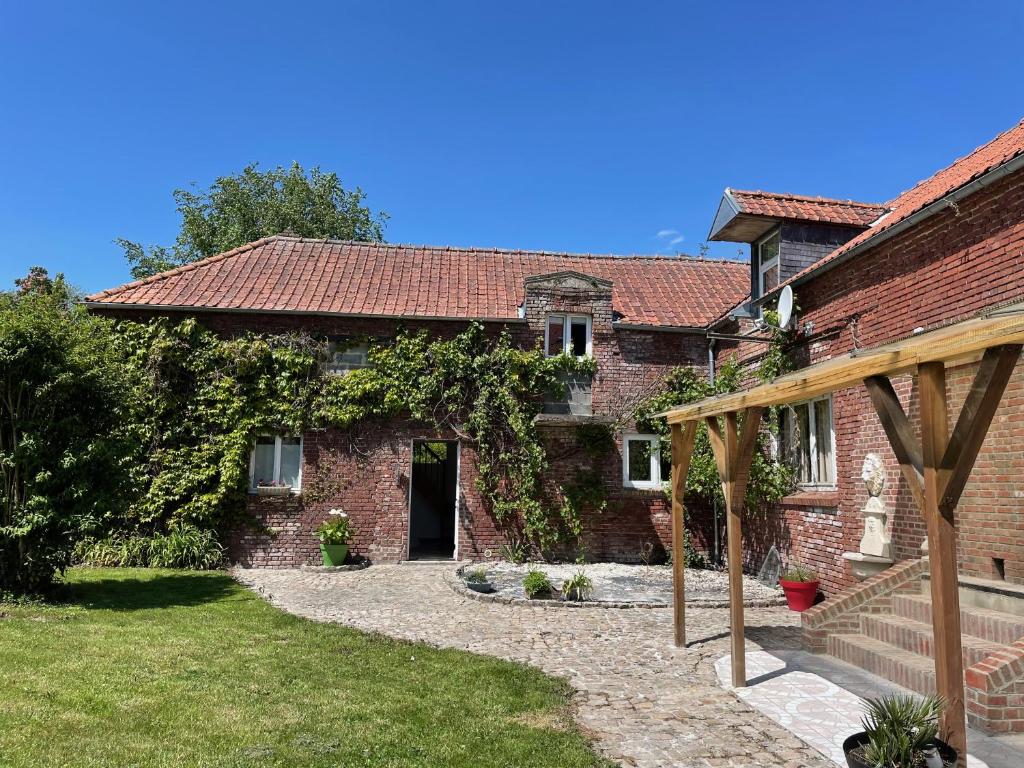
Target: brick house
pixel 408 488
pixel 949 248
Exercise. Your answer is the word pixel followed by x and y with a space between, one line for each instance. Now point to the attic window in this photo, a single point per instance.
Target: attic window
pixel 569 334
pixel 342 357
pixel 768 263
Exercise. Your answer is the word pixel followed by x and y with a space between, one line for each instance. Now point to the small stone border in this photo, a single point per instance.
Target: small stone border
pixel 337 568
pixel 454 580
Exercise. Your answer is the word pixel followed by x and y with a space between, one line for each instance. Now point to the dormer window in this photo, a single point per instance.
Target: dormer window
pixel 768 263
pixel 568 334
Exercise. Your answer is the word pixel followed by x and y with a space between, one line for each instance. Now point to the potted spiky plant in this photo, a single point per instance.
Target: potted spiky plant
pixel 900 731
pixel 800 585
pixel 335 533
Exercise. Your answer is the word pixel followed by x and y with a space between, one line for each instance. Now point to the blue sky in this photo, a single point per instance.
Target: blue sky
pixel 579 126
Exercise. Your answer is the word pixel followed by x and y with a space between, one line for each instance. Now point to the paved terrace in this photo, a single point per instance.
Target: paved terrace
pixel 645 702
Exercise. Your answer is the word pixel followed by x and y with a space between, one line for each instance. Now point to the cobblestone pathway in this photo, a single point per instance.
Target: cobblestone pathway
pixel 645 702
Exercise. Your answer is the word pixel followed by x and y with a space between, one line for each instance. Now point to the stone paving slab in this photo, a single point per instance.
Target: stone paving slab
pixel 646 703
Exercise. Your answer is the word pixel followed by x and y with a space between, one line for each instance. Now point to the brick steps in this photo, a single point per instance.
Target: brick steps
pixel 916 637
pixel 899 645
pixel 901 667
pixel 996 627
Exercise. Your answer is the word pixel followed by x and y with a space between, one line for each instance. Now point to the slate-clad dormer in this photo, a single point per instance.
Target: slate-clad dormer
pixel 787 233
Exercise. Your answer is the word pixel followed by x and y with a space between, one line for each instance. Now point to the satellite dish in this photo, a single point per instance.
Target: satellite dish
pixel 785 307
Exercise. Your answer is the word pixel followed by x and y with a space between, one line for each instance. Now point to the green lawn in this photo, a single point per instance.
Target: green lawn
pixel 170 668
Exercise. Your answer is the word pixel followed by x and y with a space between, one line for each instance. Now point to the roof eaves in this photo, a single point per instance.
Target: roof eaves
pixel 886 233
pixel 191 266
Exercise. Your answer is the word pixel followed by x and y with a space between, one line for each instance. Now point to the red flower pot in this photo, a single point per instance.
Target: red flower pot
pixel 799 594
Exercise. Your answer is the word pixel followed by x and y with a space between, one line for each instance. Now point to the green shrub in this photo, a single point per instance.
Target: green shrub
pixel 536 584
pixel 65 430
pixel 184 547
pixel 578 587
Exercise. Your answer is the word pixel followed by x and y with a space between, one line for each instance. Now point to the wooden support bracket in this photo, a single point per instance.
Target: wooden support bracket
pixel 683 437
pixel 937 473
pixel 734 452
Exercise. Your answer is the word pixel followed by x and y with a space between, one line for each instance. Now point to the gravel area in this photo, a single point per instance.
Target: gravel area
pixel 637 584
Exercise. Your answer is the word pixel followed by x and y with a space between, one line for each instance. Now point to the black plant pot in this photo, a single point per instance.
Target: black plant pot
pixel 946 752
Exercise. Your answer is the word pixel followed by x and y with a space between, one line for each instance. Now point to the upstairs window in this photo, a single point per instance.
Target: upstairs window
pixel 642 466
pixel 768 264
pixel 342 357
pixel 276 460
pixel 569 334
pixel 808 442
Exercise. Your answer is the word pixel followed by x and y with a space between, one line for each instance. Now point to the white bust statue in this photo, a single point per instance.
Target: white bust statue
pixel 876 539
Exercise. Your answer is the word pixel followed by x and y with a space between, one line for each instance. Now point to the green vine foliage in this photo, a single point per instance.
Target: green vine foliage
pixel 205 399
pixel 769 480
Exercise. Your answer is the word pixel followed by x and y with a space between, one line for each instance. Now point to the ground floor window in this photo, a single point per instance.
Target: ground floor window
pixel 642 465
pixel 808 441
pixel 276 460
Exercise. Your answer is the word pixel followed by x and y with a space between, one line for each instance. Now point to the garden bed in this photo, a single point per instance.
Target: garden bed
pixel 617 585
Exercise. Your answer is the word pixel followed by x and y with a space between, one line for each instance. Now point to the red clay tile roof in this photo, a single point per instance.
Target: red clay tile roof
pixel 785 206
pixel 985 158
pixel 352 278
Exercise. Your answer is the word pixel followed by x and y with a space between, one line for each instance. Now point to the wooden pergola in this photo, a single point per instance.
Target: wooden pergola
pixel 936 467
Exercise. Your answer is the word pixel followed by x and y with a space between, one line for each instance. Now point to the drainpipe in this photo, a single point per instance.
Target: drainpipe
pixel 714 502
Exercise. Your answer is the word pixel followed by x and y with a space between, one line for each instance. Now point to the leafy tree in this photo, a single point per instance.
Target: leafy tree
pixel 252 204
pixel 63 439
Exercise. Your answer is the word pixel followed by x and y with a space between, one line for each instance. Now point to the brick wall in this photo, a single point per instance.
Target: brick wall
pixel 947 268
pixel 366 471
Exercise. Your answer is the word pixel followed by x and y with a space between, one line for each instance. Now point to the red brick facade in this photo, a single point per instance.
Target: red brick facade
pixel 366 471
pixel 948 267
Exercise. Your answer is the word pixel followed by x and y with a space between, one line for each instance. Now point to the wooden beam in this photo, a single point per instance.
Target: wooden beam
pixel 952 343
pixel 900 433
pixel 734 452
pixel 949 662
pixel 976 416
pixel 682 449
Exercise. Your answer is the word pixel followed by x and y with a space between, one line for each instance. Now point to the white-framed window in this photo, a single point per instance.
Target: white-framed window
pixel 276 460
pixel 343 357
pixel 808 442
pixel 768 263
pixel 642 465
pixel 569 334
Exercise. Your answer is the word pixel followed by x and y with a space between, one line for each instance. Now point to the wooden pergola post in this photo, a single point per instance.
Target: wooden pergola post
pixel 937 473
pixel 734 451
pixel 682 450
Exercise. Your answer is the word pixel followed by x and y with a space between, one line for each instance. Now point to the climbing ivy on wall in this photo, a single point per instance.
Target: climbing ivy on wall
pixel 205 399
pixel 770 480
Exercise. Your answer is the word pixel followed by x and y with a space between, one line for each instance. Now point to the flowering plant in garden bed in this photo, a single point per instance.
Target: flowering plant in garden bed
pixel 335 534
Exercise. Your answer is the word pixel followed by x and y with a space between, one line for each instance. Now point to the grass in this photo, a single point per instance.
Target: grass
pixel 169 668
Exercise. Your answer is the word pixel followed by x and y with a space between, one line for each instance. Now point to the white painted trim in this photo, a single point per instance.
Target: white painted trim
pixel 277 462
pixel 458 489
pixel 763 267
pixel 567 319
pixel 656 483
pixel 815 482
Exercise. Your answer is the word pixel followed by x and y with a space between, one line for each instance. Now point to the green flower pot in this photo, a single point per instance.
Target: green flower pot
pixel 334 554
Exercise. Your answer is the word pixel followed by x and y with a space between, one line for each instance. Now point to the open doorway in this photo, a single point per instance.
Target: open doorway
pixel 433 495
